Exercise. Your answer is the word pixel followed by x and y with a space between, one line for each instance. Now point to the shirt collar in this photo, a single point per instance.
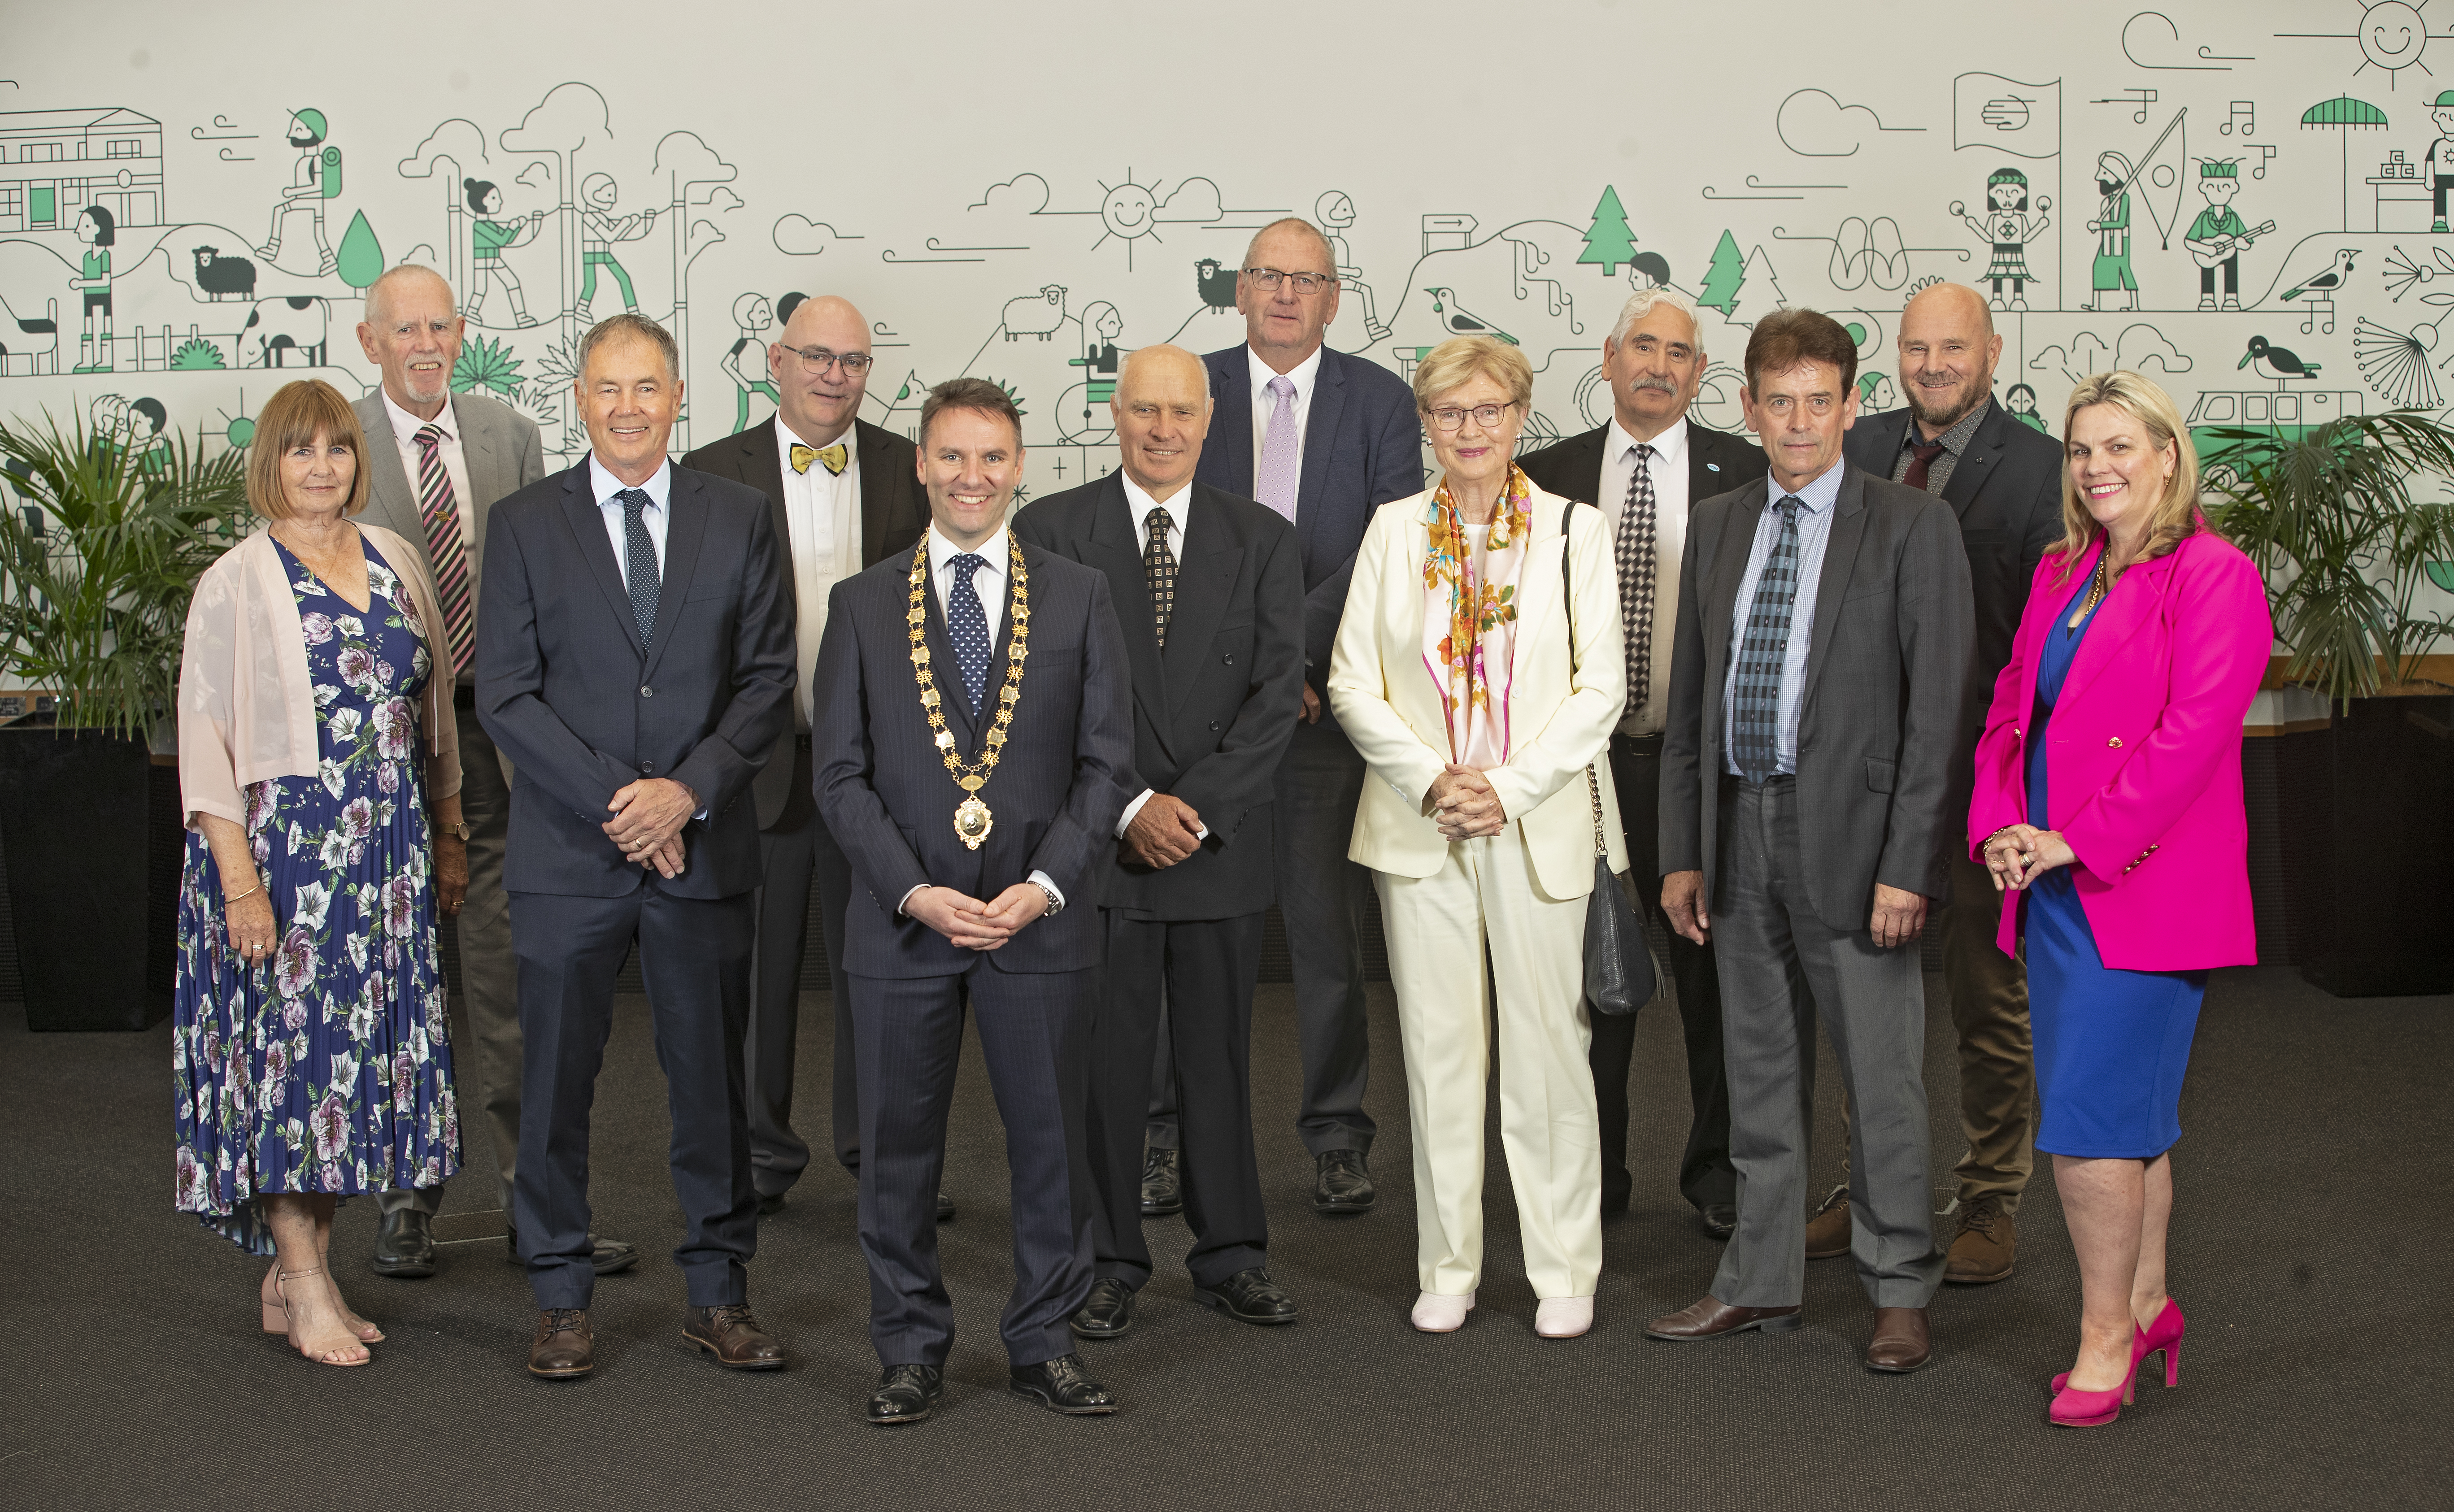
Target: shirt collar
pixel 405 426
pixel 942 551
pixel 1139 500
pixel 1670 446
pixel 1956 439
pixel 1818 495
pixel 1302 374
pixel 605 485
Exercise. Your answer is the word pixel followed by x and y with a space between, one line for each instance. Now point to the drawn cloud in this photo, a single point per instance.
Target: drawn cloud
pixel 456 140
pixel 1023 194
pixel 570 118
pixel 689 161
pixel 2143 344
pixel 803 237
pixel 1814 124
pixel 1194 199
pixel 2152 40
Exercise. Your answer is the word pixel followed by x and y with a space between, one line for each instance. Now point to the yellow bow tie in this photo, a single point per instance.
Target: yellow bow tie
pixel 833 456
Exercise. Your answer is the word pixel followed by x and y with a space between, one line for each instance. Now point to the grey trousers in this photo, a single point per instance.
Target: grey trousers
pixel 488 985
pixel 1782 967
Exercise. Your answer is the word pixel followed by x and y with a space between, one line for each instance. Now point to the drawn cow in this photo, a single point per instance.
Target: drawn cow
pixel 1216 285
pixel 277 326
pixel 218 275
pixel 1037 314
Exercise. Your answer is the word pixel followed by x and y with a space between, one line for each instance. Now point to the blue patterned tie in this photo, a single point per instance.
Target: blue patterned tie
pixel 640 570
pixel 969 628
pixel 1756 708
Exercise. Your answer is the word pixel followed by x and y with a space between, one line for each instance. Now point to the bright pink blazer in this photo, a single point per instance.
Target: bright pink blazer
pixel 2145 775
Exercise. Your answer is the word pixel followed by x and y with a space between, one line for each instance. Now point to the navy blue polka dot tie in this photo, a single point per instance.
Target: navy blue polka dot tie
pixel 969 628
pixel 639 568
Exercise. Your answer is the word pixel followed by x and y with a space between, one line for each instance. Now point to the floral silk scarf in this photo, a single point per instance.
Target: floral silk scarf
pixel 1470 617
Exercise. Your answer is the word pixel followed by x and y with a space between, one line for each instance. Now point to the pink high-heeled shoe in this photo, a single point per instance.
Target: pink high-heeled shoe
pixel 2164 1334
pixel 2093 1409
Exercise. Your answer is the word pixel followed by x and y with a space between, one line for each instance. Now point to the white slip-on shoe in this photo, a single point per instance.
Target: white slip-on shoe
pixel 1436 1314
pixel 1563 1316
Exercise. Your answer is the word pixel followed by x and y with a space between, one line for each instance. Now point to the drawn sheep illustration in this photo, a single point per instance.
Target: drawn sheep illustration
pixel 218 275
pixel 1037 314
pixel 1216 285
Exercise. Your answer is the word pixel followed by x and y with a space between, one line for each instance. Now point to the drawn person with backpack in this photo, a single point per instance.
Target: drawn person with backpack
pixel 319 179
pixel 489 240
pixel 599 228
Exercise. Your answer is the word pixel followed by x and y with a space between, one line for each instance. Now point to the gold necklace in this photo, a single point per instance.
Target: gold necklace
pixel 2097 585
pixel 973 819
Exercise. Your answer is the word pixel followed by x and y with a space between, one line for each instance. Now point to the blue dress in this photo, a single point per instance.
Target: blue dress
pixel 327 1069
pixel 2110 1046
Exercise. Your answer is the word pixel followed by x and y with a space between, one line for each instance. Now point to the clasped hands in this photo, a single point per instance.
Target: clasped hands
pixel 2016 854
pixel 647 823
pixel 1462 800
pixel 973 924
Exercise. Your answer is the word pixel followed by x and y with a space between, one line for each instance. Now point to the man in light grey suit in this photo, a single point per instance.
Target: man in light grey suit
pixel 441 459
pixel 1824 647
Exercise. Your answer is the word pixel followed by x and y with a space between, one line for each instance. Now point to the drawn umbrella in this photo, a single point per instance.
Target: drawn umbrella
pixel 2343 113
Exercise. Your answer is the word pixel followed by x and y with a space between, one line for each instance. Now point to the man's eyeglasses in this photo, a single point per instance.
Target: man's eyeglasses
pixel 815 360
pixel 1268 279
pixel 1486 416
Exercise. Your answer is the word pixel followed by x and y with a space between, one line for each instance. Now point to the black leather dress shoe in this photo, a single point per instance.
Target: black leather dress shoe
pixel 1162 1182
pixel 1062 1385
pixel 1343 1185
pixel 609 1256
pixel 1107 1312
pixel 770 1203
pixel 945 1208
pixel 1249 1297
pixel 1721 1219
pixel 405 1245
pixel 906 1394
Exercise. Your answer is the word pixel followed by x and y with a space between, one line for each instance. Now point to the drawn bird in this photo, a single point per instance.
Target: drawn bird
pixel 1457 321
pixel 2276 362
pixel 2325 284
pixel 2396 363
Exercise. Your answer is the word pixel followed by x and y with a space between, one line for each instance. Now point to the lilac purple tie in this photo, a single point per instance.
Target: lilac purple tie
pixel 1282 458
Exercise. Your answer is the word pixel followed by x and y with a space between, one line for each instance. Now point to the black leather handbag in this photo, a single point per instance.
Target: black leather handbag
pixel 1620 974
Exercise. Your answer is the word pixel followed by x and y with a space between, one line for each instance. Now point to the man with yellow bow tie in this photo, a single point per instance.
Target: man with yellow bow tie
pixel 844 496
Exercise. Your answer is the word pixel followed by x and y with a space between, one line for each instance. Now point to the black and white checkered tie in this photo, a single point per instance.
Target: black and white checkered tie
pixel 639 567
pixel 1159 571
pixel 1634 554
pixel 1763 654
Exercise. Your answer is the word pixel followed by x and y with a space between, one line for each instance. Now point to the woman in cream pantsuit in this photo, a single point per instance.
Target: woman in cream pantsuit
pixel 1454 679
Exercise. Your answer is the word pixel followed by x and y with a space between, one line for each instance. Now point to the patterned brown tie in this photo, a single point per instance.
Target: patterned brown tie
pixel 1159 571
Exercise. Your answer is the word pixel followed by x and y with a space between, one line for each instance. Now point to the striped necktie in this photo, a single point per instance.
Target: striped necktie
pixel 441 513
pixel 1755 712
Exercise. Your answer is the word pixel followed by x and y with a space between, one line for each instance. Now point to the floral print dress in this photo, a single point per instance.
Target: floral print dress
pixel 327 1069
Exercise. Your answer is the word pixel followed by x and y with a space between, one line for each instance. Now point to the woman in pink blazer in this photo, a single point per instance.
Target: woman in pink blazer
pixel 2108 793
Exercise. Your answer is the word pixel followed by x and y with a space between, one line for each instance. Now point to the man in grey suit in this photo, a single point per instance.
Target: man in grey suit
pixel 441 460
pixel 1819 663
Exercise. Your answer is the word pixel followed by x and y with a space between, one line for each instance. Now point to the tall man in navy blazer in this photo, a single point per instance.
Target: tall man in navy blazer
pixel 990 661
pixel 1324 439
pixel 634 661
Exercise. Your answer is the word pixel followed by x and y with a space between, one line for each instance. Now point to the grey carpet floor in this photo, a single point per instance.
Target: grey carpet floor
pixel 2314 1186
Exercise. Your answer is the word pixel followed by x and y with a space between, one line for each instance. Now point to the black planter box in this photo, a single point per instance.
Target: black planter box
pixel 2365 848
pixel 91 883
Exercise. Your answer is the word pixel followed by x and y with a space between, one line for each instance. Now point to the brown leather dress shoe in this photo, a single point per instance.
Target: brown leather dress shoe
pixel 564 1348
pixel 1901 1342
pixel 1827 1232
pixel 1712 1318
pixel 1988 1246
pixel 734 1336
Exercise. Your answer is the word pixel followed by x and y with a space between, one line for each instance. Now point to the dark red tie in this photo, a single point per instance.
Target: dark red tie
pixel 1921 463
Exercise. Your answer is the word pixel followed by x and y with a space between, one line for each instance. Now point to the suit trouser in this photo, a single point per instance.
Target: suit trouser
pixel 1207 968
pixel 797 848
pixel 489 982
pixel 694 955
pixel 1782 965
pixel 1704 1172
pixel 1485 892
pixel 906 1036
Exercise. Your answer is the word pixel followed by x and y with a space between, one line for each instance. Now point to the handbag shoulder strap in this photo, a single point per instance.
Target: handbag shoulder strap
pixel 1568 596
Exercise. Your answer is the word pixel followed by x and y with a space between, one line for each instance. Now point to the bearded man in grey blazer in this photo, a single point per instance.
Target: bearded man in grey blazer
pixel 441 460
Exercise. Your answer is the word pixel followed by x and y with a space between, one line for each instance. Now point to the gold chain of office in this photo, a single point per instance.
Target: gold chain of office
pixel 973 819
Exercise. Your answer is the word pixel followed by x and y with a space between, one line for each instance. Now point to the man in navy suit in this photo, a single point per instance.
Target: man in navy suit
pixel 1322 438
pixel 972 734
pixel 635 662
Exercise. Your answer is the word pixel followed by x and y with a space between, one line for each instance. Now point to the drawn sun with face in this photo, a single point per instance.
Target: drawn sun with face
pixel 2392 35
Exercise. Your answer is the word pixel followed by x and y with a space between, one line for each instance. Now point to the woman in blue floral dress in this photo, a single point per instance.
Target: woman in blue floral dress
pixel 309 1049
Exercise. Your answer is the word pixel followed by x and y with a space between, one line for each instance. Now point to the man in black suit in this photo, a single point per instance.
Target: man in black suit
pixel 974 729
pixel 1323 439
pixel 634 661
pixel 1209 589
pixel 2004 482
pixel 843 496
pixel 1647 467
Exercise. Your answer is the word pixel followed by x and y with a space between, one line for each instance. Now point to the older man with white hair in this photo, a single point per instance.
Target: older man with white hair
pixel 1646 467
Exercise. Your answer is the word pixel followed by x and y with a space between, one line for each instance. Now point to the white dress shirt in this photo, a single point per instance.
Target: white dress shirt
pixel 1305 375
pixel 657 516
pixel 1818 499
pixel 989 580
pixel 1668 468
pixel 1179 509
pixel 404 427
pixel 822 510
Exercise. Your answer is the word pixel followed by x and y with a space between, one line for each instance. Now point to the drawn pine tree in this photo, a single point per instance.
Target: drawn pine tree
pixel 1758 270
pixel 1608 241
pixel 1721 280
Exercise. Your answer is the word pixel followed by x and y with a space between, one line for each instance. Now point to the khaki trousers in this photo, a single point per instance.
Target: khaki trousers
pixel 1447 1018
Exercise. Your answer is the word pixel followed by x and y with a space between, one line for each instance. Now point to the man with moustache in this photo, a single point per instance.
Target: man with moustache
pixel 635 663
pixel 973 734
pixel 452 456
pixel 1647 467
pixel 1323 439
pixel 1209 591
pixel 2003 483
pixel 843 498
pixel 1820 666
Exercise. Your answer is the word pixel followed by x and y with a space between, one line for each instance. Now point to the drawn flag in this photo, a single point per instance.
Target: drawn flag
pixel 2004 115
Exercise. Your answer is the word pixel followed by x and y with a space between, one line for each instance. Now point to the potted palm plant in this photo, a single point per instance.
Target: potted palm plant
pixel 2330 515
pixel 100 551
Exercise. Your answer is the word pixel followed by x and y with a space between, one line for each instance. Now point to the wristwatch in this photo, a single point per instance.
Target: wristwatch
pixel 1056 904
pixel 461 830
